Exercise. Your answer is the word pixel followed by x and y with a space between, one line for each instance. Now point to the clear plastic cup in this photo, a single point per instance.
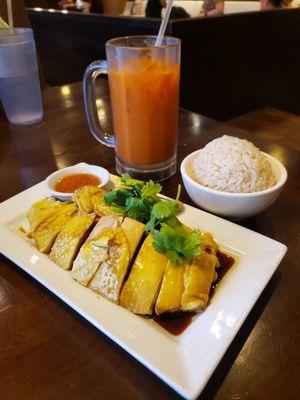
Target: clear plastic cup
pixel 20 91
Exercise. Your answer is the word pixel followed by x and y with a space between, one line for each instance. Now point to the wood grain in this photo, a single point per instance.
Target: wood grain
pixel 271 124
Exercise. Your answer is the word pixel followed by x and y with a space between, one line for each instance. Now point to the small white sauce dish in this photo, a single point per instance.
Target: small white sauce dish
pixel 234 206
pixel 52 179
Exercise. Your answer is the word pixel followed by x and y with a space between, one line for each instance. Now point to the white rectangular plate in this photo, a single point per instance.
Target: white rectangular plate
pixel 185 362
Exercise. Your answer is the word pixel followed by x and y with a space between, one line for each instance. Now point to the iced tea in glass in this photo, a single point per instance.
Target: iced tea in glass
pixel 144 90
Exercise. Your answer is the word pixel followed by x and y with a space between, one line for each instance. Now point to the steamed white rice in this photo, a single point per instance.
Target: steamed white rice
pixel 233 165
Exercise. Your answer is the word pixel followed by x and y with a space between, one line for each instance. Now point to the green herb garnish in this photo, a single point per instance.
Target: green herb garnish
pixel 138 208
pixel 137 197
pixel 151 189
pixel 141 202
pixel 177 243
pixel 118 197
pixel 128 181
pixel 163 211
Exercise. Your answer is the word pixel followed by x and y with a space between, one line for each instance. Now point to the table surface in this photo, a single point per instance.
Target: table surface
pixel 50 352
pixel 271 124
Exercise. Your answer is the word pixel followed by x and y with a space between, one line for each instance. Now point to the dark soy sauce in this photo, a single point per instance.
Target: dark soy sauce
pixel 176 323
pixel 226 262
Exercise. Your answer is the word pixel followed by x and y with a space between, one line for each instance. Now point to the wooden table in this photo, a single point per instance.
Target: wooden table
pixel 271 124
pixel 50 352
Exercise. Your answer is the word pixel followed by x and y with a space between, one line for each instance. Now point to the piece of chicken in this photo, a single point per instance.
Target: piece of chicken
pixel 101 208
pixel 142 286
pixel 208 243
pixel 171 291
pixel 134 231
pixel 94 251
pixel 186 286
pixel 40 211
pixel 46 233
pixel 69 240
pixel 198 278
pixel 83 196
pixel 110 276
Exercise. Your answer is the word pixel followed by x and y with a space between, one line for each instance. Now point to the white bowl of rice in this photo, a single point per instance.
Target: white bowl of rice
pixel 232 178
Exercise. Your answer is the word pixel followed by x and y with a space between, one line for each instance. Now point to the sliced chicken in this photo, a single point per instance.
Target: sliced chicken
pixel 134 231
pixel 49 229
pixel 109 221
pixel 208 243
pixel 111 274
pixel 109 277
pixel 142 286
pixel 94 251
pixel 83 196
pixel 101 208
pixel 198 277
pixel 40 211
pixel 171 291
pixel 69 240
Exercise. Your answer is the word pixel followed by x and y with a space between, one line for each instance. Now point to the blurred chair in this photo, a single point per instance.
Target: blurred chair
pixel 113 7
pixel 96 6
pixel 55 4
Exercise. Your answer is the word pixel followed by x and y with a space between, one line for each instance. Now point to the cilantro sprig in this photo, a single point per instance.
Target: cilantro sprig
pixel 178 244
pixel 141 202
pixel 137 197
pixel 163 211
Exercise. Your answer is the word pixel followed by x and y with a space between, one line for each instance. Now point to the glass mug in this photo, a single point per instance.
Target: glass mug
pixel 144 89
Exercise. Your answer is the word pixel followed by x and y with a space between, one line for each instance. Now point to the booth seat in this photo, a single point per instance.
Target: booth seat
pixel 230 65
pixel 194 7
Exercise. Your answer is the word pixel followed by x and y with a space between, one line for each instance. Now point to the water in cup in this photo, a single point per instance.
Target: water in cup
pixel 20 91
pixel 17 90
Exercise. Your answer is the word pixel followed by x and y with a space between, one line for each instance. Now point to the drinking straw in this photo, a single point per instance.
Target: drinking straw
pixel 164 23
pixel 10 14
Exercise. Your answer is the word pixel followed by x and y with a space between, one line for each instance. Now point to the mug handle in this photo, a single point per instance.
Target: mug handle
pixel 97 68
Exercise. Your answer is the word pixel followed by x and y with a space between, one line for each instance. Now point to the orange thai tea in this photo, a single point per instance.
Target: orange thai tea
pixel 145 99
pixel 144 91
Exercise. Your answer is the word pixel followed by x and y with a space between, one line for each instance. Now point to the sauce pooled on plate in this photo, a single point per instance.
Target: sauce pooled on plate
pixel 178 322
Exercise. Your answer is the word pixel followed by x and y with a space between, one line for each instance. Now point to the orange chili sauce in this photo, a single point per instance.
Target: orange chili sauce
pixel 70 183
